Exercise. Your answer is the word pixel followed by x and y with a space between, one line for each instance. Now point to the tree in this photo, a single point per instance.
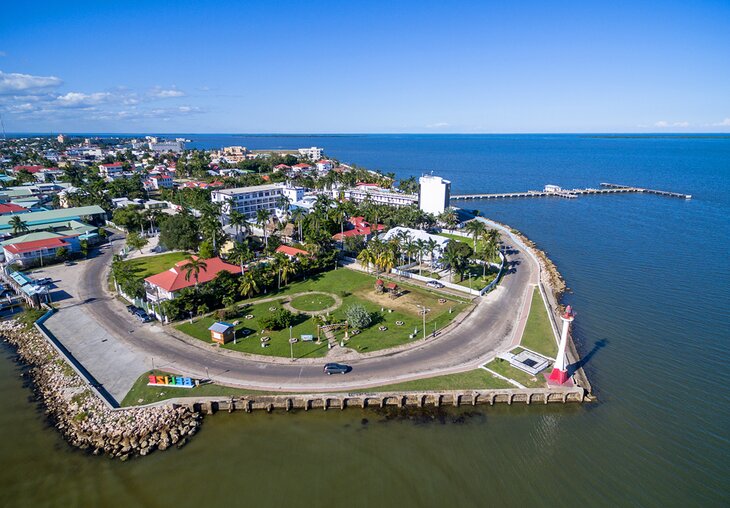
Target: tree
pixel 409 185
pixel 248 286
pixel 277 320
pixel 476 229
pixel 18 225
pixel 135 241
pixel 449 218
pixel 456 256
pixel 24 176
pixel 84 247
pixel 62 253
pixel 366 258
pixel 238 221
pixel 241 254
pixel 193 267
pixel 262 219
pixel 358 316
pixel 205 250
pixel 180 232
pixel 421 249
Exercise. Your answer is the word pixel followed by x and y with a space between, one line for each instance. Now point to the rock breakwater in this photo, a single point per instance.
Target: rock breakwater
pixel 86 421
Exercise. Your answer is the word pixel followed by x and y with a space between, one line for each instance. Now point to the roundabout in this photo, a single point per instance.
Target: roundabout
pixel 474 337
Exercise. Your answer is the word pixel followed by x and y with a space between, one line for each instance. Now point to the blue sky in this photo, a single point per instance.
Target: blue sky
pixel 322 67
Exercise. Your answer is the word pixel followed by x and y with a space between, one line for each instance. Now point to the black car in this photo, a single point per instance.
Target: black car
pixel 142 316
pixel 132 309
pixel 45 281
pixel 336 368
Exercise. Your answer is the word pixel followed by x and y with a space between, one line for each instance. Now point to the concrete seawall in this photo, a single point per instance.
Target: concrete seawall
pixel 416 399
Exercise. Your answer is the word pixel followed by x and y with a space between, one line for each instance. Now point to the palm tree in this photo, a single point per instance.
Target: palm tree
pixel 262 218
pixel 476 228
pixel 402 238
pixel 237 220
pixel 18 224
pixel 421 248
pixel 366 258
pixel 286 268
pixel 193 267
pixel 487 253
pixel 432 246
pixel 385 259
pixel 449 217
pixel 297 216
pixel 241 254
pixel 249 285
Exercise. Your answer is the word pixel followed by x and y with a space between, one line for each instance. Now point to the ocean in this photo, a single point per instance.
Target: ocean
pixel 649 279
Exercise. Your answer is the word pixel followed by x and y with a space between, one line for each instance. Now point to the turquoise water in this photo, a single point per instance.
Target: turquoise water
pixel 651 285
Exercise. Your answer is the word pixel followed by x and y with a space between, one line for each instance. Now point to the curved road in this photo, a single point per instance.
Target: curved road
pixel 493 325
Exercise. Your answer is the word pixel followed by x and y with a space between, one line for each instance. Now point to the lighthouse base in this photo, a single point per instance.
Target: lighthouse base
pixel 557 377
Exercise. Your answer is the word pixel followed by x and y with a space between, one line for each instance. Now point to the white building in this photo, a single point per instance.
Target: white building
pixel 248 200
pixel 434 194
pixel 111 171
pixel 313 153
pixel 378 195
pixel 294 194
pixel 324 166
pixel 176 146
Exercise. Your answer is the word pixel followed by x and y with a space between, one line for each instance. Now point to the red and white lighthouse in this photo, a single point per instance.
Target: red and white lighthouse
pixel 559 375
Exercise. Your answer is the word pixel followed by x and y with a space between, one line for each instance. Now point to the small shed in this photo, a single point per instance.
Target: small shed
pixel 221 332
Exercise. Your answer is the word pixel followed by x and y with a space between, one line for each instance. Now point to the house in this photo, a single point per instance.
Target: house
pixel 34 252
pixel 159 181
pixel 281 167
pixel 48 219
pixel 166 285
pixel 324 166
pixel 358 226
pixel 221 332
pixel 10 208
pixel 291 252
pixel 314 153
pixel 111 171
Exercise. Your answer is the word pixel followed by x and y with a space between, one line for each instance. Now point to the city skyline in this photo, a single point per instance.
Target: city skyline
pixel 375 68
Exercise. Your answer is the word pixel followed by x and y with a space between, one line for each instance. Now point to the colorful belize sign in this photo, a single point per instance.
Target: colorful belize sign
pixel 174 381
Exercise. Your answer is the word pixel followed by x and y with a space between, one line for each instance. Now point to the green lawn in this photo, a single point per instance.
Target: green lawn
pixel 538 334
pixel 313 302
pixel 353 288
pixel 503 367
pixel 471 380
pixel 151 265
pixel 477 280
pixel 469 241
pixel 143 394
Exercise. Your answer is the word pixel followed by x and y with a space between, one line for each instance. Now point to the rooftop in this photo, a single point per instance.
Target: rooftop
pixel 252 188
pixel 174 278
pixel 49 216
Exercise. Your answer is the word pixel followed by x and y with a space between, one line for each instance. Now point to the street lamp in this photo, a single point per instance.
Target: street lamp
pixel 291 346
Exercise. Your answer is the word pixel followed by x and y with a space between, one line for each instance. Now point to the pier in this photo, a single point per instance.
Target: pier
pixel 552 191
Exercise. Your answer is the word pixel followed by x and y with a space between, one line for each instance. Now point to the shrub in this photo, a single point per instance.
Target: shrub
pixel 277 320
pixel 358 316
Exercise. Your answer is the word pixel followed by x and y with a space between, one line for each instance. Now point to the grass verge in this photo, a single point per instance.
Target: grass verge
pixel 538 335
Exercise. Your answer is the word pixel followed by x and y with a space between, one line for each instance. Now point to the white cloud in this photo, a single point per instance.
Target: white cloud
pixel 82 100
pixel 166 93
pixel 16 83
pixel 724 123
pixel 664 124
pixel 437 125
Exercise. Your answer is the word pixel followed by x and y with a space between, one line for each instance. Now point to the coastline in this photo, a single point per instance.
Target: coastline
pixel 87 422
pixel 82 417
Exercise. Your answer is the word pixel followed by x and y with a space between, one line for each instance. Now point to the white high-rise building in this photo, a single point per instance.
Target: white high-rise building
pixel 434 194
pixel 313 153
pixel 248 200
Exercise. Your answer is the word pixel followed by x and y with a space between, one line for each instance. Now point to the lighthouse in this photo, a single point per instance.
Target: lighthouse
pixel 559 375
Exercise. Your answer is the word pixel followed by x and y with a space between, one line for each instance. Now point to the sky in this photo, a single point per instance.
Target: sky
pixel 365 67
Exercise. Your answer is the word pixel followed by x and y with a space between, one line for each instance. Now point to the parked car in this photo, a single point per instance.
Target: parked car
pixel 132 309
pixel 45 281
pixel 336 368
pixel 142 316
pixel 434 284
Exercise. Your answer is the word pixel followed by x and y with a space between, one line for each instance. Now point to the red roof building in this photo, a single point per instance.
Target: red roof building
pixel 6 208
pixel 358 227
pixel 291 251
pixel 29 169
pixel 162 286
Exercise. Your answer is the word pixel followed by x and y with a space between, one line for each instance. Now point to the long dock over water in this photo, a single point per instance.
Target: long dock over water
pixel 556 192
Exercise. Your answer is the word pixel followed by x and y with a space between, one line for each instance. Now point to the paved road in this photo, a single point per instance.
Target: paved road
pixel 491 327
